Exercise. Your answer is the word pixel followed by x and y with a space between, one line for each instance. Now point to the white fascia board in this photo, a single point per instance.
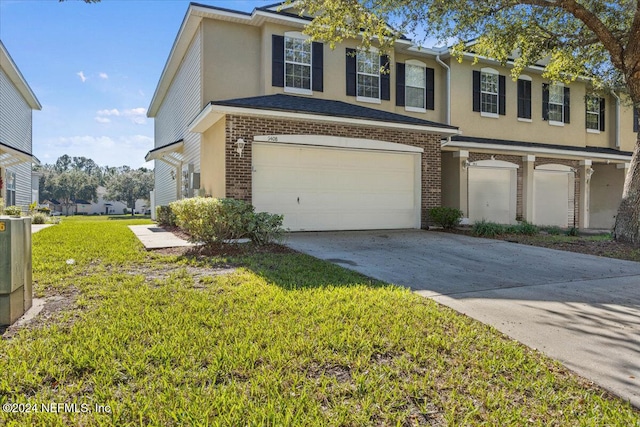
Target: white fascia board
pixel 213 113
pixel 538 150
pixel 16 77
pixel 158 153
pixel 337 142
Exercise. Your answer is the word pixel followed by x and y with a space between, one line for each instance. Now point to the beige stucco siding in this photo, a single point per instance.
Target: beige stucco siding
pixel 212 152
pixel 180 106
pixel 627 135
pixel 508 127
pixel 15 131
pixel 231 60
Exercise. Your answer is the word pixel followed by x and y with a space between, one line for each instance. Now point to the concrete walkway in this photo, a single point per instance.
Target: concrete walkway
pixel 154 237
pixel 580 309
pixel 37 227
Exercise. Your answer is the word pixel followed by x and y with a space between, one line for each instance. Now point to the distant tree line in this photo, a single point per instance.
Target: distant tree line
pixel 77 178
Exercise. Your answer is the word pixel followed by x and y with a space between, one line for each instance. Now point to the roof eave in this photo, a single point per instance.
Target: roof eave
pixel 14 74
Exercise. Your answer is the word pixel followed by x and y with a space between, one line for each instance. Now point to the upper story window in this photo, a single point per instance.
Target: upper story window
pixel 555 104
pixel 368 70
pixel 367 75
pixel 297 64
pixel 595 109
pixel 415 86
pixel 489 93
pixel 524 98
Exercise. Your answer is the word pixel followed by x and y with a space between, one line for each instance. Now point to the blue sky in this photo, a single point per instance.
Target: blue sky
pixel 94 68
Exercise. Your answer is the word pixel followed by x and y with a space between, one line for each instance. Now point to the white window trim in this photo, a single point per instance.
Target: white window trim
pixel 497 93
pixel 597 113
pixel 528 79
pixel 555 122
pixel 297 90
pixel 522 119
pixel 368 99
pixel 416 63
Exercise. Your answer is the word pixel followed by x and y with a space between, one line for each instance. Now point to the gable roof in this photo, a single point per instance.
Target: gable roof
pixel 14 74
pixel 189 27
pixel 301 107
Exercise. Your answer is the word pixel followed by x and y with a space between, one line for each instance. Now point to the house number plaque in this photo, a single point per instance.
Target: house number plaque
pixel 2 227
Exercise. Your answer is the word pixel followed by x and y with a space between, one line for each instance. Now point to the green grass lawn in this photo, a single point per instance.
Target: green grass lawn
pixel 280 340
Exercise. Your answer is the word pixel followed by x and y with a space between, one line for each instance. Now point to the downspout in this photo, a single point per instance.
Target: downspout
pixel 617 118
pixel 448 96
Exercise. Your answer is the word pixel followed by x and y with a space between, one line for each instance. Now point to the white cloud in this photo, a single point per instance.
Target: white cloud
pixel 100 119
pixel 104 76
pixel 136 115
pixel 81 75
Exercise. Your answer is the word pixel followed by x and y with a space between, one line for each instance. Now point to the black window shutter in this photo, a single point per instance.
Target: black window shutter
pixel 277 60
pixel 317 63
pixel 502 98
pixel 545 101
pixel 524 99
pixel 476 91
pixel 400 81
pixel 602 108
pixel 351 72
pixel 635 119
pixel 567 108
pixel 385 78
pixel 430 104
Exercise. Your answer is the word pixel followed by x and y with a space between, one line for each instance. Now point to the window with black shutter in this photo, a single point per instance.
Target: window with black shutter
pixel 524 99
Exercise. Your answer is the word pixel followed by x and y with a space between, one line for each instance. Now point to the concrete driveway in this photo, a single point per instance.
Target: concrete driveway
pixel 582 310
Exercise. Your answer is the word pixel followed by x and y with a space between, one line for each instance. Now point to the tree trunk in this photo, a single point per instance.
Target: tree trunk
pixel 627 226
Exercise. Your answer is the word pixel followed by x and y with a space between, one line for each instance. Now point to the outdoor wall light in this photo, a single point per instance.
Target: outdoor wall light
pixel 240 143
pixel 173 174
pixel 465 164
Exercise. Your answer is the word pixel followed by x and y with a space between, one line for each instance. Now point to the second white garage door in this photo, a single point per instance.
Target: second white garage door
pixel 332 188
pixel 492 191
pixel 553 189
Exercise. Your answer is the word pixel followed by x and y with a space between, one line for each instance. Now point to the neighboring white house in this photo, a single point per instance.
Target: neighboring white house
pixel 101 207
pixel 17 102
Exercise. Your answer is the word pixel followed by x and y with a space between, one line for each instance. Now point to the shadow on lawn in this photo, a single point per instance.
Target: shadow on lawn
pixel 127 217
pixel 281 266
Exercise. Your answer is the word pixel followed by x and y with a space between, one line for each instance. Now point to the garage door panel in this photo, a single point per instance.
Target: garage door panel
pixel 551 197
pixel 337 189
pixel 491 194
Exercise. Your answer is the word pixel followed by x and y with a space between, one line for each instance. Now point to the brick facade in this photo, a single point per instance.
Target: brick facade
pixel 238 169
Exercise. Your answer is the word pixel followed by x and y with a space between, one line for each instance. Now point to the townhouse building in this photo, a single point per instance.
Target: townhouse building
pixel 17 102
pixel 246 107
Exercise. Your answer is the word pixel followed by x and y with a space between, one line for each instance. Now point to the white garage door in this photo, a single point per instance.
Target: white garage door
pixel 492 192
pixel 328 188
pixel 553 196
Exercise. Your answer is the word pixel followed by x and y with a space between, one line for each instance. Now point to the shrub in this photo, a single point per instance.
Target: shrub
pixel 165 216
pixel 487 229
pixel 265 228
pixel 212 221
pixel 553 230
pixel 13 211
pixel 44 210
pixel 39 218
pixel 446 218
pixel 526 228
pixel 125 211
pixel 573 232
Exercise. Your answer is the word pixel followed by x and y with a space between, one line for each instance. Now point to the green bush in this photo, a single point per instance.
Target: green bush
pixel 573 232
pixel 446 218
pixel 487 229
pixel 13 211
pixel 552 230
pixel 165 216
pixel 526 228
pixel 265 228
pixel 212 221
pixel 39 218
pixel 44 210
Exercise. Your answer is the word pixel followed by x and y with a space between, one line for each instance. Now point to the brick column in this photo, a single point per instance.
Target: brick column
pixel 528 166
pixel 584 171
